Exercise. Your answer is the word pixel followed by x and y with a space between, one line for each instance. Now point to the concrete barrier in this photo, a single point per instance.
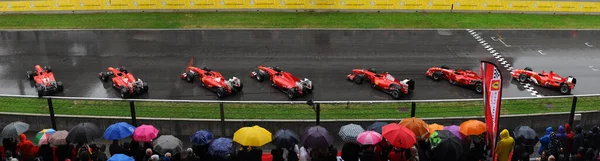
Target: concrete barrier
pixel 186 127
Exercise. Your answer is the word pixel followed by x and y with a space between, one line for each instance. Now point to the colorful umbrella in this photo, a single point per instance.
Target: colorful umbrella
pixel 399 136
pixel 285 138
pixel 222 147
pixel 455 130
pixel 118 131
pixel 350 132
pixel 13 130
pixel 317 137
pixel 201 137
pixel 472 127
pixel 376 126
pixel 168 143
pixel 59 138
pixel 252 136
pixel 445 146
pixel 42 137
pixel 369 138
pixel 145 133
pixel 433 127
pixel 417 126
pixel 84 133
pixel 120 157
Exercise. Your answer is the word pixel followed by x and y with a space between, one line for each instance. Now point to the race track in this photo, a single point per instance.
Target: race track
pixel 323 56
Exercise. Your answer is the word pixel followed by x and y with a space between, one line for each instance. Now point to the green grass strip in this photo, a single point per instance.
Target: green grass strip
pixel 291 111
pixel 297 20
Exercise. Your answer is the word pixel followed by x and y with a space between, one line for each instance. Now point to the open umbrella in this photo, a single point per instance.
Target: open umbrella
pixel 42 137
pixel 526 134
pixel 120 157
pixel 317 137
pixel 417 126
pixel 13 130
pixel 118 131
pixel 145 133
pixel 84 133
pixel 285 138
pixel 445 146
pixel 201 137
pixel 59 138
pixel 434 126
pixel 472 127
pixel 252 136
pixel 455 130
pixel 221 147
pixel 168 143
pixel 399 136
pixel 376 126
pixel 369 138
pixel 350 132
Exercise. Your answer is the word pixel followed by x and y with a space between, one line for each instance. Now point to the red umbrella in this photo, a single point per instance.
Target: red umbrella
pixel 145 133
pixel 399 136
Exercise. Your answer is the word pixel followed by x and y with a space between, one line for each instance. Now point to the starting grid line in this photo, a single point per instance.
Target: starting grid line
pixel 502 61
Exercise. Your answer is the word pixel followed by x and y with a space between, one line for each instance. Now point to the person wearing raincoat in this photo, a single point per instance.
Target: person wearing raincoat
pixel 578 139
pixel 545 140
pixel 562 137
pixel 505 146
pixel 568 148
pixel 25 147
pixel 554 147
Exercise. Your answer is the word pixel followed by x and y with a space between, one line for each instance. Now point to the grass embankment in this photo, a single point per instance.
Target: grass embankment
pixel 296 20
pixel 288 111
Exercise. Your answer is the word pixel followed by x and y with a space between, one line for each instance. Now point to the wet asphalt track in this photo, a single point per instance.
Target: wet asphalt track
pixel 325 57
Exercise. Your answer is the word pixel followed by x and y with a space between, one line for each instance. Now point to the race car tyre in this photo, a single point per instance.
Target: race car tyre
pixel 564 89
pixel 29 74
pixel 59 86
pixel 145 86
pixel 395 93
pixel 103 76
pixel 48 69
pixel 522 78
pixel 452 81
pixel 436 76
pixel 239 88
pixel 190 77
pixel 291 93
pixel 221 92
pixel 40 90
pixel 358 79
pixel 124 92
pixel 258 77
pixel 478 87
pixel 528 69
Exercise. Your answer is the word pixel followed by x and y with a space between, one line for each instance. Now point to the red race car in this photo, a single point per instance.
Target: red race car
pixel 44 80
pixel 284 81
pixel 213 80
pixel 457 77
pixel 549 80
pixel 383 81
pixel 124 81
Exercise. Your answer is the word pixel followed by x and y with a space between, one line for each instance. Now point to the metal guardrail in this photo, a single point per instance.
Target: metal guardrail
pixel 316 105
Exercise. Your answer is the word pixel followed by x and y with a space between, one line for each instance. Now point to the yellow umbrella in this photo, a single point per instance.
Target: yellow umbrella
pixel 252 136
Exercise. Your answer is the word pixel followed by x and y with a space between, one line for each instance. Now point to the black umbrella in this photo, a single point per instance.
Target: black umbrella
pixel 317 137
pixel 285 138
pixel 445 146
pixel 84 133
pixel 376 126
pixel 525 135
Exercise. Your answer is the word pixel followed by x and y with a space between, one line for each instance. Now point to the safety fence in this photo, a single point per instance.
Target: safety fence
pixel 10 6
pixel 287 110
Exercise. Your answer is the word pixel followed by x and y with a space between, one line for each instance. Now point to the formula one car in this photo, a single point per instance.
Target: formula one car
pixel 549 80
pixel 290 85
pixel 44 80
pixel 383 81
pixel 124 81
pixel 457 77
pixel 213 80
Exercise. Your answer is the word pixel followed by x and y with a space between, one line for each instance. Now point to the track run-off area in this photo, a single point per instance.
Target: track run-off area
pixel 324 56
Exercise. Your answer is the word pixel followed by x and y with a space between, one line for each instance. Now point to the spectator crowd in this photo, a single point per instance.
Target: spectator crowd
pixel 409 140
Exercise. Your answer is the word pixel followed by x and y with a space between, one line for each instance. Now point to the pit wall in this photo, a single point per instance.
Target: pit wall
pixel 17 6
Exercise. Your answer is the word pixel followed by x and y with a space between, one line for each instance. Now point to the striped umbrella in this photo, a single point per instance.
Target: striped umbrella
pixel 43 136
pixel 369 138
pixel 350 132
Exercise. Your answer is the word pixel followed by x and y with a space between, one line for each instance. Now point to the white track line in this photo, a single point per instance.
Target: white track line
pixel 502 61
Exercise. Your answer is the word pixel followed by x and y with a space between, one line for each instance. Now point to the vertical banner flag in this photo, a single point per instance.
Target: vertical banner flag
pixel 492 96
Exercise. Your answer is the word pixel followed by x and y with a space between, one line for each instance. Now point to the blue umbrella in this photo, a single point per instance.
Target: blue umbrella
pixel 221 147
pixel 201 137
pixel 118 131
pixel 120 157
